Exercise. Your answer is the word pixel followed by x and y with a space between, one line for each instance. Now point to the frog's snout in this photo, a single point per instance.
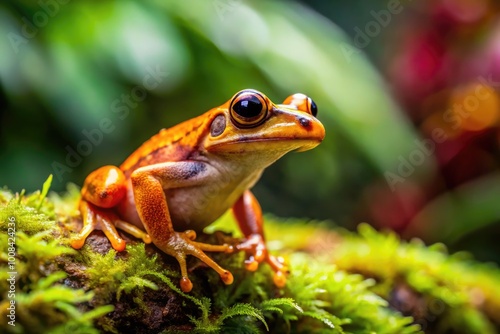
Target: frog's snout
pixel 306 126
pixel 309 130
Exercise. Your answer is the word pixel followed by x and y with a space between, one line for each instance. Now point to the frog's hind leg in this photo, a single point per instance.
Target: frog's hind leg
pixel 132 230
pixel 102 191
pixel 89 224
pixel 108 222
pixel 95 219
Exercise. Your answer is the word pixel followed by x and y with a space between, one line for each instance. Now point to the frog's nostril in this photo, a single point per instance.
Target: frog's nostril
pixel 304 122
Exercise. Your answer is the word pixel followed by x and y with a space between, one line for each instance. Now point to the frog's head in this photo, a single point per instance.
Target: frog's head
pixel 251 124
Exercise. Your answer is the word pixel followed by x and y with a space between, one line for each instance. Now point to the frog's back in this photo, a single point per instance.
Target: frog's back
pixel 177 143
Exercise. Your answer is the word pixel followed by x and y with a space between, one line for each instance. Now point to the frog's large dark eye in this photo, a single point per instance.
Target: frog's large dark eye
pixel 303 103
pixel 313 107
pixel 248 108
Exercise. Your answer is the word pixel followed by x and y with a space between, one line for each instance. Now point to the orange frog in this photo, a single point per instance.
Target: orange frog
pixel 184 178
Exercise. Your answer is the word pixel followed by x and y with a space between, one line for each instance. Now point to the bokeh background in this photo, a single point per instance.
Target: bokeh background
pixel 407 90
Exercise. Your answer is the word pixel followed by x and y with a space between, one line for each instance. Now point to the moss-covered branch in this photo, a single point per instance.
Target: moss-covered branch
pixel 341 282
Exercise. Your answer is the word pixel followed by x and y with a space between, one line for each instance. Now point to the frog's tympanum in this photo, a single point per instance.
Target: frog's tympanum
pixel 185 177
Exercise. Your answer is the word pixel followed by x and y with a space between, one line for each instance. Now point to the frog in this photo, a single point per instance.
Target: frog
pixel 185 177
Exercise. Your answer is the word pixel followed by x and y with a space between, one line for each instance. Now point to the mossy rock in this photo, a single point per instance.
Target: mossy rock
pixel 340 282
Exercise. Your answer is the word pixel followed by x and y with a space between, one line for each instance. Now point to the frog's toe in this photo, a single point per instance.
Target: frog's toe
pixel 118 244
pixel 77 242
pixel 89 224
pixel 256 250
pixel 281 270
pixel 186 284
pixel 251 264
pixel 190 234
pixel 107 226
pixel 180 245
pixel 132 230
pixel 224 274
pixel 227 277
pixel 277 264
pixel 279 279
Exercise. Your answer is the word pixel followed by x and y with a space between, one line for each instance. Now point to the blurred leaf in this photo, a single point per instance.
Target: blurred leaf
pixel 457 213
pixel 298 50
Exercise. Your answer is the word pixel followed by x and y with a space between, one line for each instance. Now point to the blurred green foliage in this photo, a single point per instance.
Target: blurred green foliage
pixel 83 84
pixel 86 62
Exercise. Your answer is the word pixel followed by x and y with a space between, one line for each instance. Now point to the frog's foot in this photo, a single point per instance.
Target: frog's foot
pixel 255 247
pixel 95 218
pixel 181 244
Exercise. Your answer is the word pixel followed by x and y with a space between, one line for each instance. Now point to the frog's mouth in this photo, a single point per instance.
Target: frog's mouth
pixel 278 144
pixel 300 144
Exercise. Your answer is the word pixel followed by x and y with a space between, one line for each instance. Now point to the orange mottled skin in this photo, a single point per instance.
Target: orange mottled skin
pixel 183 178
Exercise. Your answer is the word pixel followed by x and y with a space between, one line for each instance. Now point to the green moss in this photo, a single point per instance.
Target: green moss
pixel 340 282
pixel 31 283
pixel 343 301
pixel 112 276
pixel 459 294
pixel 26 218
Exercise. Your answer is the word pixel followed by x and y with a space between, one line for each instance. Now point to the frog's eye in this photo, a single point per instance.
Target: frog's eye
pixel 313 107
pixel 303 103
pixel 248 109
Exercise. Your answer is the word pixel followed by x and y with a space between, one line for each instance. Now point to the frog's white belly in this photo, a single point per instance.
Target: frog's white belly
pixel 198 206
pixel 195 207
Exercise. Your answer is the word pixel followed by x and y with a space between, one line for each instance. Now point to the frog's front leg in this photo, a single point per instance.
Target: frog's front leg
pixel 148 184
pixel 248 213
pixel 102 190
